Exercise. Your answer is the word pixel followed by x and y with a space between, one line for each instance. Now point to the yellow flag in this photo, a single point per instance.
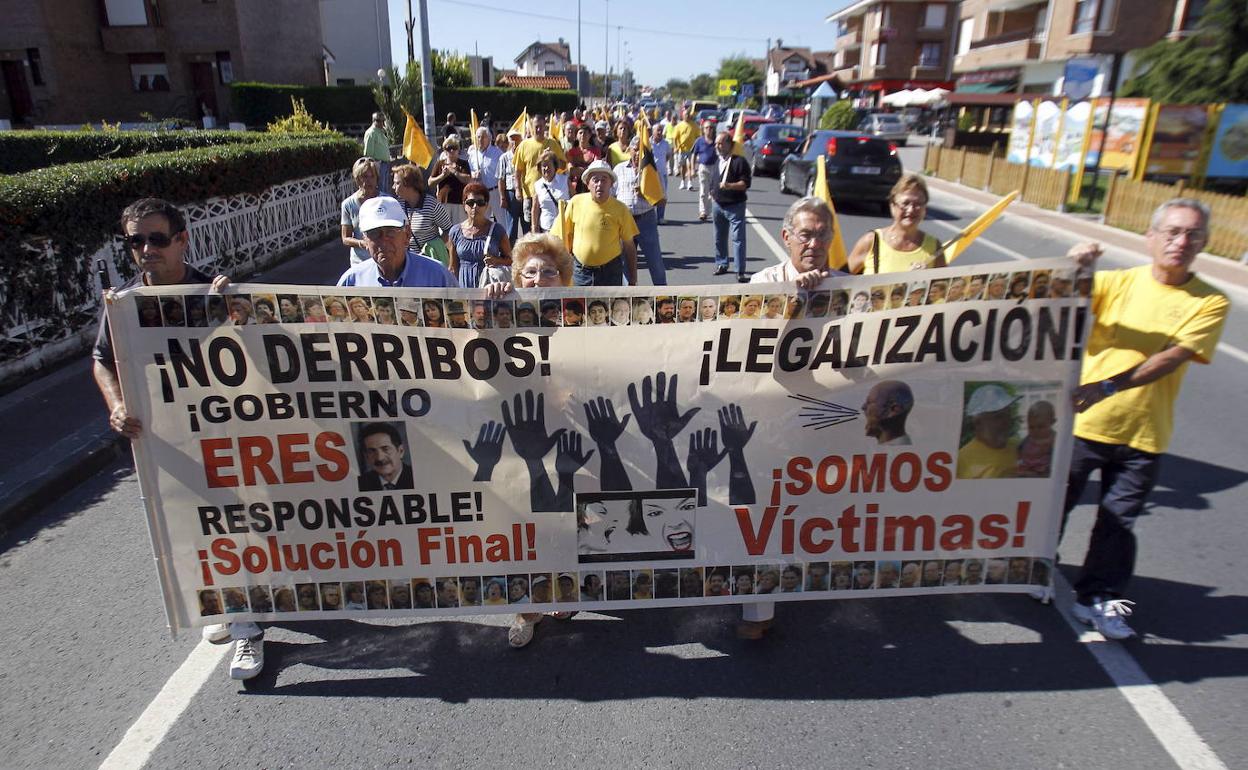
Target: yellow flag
pixel 556 130
pixel 474 124
pixel 563 225
pixel 521 124
pixel 416 147
pixel 738 135
pixel 651 183
pixel 959 243
pixel 838 258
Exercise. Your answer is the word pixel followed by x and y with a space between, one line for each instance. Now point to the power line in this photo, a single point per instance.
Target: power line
pixel 531 15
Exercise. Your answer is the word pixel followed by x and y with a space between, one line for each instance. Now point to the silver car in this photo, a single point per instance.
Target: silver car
pixel 885 126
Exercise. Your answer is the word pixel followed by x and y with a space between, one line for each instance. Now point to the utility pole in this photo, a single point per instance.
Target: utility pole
pixel 617 57
pixel 606 53
pixel 409 25
pixel 426 72
pixel 578 51
pixel 766 66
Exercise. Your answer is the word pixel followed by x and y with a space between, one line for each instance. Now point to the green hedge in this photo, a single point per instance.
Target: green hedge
pixel 76 207
pixel 258 104
pixel 22 151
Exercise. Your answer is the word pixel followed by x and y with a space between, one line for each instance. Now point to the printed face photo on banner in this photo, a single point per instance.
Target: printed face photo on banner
pixel 353 595
pixel 635 526
pixel 264 308
pixel 284 599
pixel 1008 429
pixel 382 454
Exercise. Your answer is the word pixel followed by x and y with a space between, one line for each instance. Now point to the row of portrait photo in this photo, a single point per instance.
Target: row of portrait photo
pixel 623 585
pixel 432 312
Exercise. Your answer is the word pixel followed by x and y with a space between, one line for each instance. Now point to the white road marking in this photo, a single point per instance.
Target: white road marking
pixel 1163 719
pixel 693 651
pixel 1233 352
pixel 989 632
pixel 767 237
pixel 153 724
pixel 1011 253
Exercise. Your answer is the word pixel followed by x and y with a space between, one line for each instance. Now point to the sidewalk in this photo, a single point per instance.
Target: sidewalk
pixel 58 428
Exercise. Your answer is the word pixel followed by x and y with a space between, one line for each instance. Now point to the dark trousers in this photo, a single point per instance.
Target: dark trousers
pixel 1127 476
pixel 609 274
pixel 513 207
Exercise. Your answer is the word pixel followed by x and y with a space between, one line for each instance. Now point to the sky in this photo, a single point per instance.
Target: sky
pixel 727 27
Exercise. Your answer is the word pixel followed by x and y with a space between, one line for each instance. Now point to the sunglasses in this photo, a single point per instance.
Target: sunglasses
pixel 474 202
pixel 158 240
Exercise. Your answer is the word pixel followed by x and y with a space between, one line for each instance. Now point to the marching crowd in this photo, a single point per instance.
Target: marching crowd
pixel 541 211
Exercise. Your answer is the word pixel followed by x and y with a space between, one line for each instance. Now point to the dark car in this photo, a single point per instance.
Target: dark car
pixel 770 145
pixel 704 115
pixel 860 167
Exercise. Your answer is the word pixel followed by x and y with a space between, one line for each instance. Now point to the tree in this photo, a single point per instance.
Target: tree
pixel 742 70
pixel 403 91
pixel 839 117
pixel 702 86
pixel 677 89
pixel 1210 65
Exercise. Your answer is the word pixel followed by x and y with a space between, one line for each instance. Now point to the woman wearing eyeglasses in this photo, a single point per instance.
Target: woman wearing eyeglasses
pixel 901 246
pixel 478 243
pixel 548 190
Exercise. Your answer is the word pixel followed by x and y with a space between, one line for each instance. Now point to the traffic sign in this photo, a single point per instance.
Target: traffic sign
pixel 747 90
pixel 728 87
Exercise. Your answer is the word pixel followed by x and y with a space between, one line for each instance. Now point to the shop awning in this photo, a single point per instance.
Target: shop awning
pixel 998 87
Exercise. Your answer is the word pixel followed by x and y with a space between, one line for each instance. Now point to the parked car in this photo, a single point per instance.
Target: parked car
pixel 860 167
pixel 885 125
pixel 730 115
pixel 773 111
pixel 796 112
pixel 704 115
pixel 697 105
pixel 770 145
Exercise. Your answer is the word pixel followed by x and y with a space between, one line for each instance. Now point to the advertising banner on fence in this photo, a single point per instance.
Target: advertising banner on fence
pixel 1228 157
pixel 1020 132
pixel 1070 145
pixel 1178 135
pixel 1121 131
pixel 1044 142
pixel 333 452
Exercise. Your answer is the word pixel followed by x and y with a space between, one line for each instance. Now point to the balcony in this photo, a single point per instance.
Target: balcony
pixel 847 74
pixel 1011 48
pixel 851 39
pixel 1004 38
pixel 934 71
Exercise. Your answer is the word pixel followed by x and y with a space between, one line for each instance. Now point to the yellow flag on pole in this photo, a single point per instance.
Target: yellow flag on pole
pixel 651 184
pixel 473 123
pixel 521 124
pixel 959 243
pixel 838 258
pixel 416 147
pixel 563 225
pixel 738 135
pixel 556 130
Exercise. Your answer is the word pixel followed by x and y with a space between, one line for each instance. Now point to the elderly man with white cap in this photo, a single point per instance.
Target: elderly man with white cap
pixel 392 264
pixel 486 160
pixel 602 232
pixel 992 452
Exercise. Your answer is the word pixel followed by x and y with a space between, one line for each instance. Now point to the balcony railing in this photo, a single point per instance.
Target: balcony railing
pixel 1005 37
pixel 850 39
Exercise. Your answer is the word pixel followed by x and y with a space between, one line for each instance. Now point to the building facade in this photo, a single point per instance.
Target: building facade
pixel 786 66
pixel 884 46
pixel 357 36
pixel 78 61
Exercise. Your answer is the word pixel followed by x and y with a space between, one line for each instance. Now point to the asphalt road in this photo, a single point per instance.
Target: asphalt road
pixel 933 682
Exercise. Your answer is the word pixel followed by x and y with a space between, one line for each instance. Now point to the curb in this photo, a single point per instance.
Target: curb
pixel 32 496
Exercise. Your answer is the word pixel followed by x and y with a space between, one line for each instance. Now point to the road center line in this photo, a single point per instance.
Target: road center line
pixel 1159 714
pixel 153 724
pixel 767 237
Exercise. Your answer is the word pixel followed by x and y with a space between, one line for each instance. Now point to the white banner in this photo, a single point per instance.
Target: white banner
pixel 311 451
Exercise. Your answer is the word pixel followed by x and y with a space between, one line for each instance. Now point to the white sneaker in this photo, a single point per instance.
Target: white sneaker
pixel 1108 616
pixel 217 633
pixel 248 658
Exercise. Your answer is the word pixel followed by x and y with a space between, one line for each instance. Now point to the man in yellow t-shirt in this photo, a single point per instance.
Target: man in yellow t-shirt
pixel 1150 322
pixel 684 134
pixel 992 452
pixel 602 232
pixel 525 163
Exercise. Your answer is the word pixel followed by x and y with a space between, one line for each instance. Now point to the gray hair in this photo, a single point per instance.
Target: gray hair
pixel 808 205
pixel 482 130
pixel 1181 203
pixel 362 167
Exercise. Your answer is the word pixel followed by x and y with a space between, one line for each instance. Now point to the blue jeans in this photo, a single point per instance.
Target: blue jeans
pixel 730 215
pixel 648 244
pixel 513 207
pixel 610 274
pixel 1127 476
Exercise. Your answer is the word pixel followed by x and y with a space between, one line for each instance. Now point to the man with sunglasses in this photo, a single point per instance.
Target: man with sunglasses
pixel 155 232
pixel 1151 321
pixel 393 263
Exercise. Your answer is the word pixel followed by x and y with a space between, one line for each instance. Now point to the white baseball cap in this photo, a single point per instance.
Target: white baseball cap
pixel 989 398
pixel 381 211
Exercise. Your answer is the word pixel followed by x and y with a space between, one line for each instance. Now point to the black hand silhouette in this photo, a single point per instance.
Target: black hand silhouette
pixel 660 420
pixel 568 460
pixel 736 435
pixel 487 451
pixel 704 455
pixel 532 443
pixel 604 428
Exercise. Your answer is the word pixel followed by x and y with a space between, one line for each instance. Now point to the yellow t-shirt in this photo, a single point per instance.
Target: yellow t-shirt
pixel 526 160
pixel 977 460
pixel 686 134
pixel 1136 317
pixel 617 154
pixel 597 229
pixel 895 261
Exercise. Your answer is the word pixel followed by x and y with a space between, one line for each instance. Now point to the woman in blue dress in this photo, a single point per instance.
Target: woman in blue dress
pixel 478 244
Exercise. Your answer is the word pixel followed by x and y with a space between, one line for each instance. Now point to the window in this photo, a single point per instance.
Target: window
pixel 964 35
pixel 879 53
pixel 1105 21
pixel 885 17
pixel 929 55
pixel 131 13
pixel 1191 15
pixel 934 16
pixel 148 72
pixel 225 68
pixel 36 71
pixel 1094 15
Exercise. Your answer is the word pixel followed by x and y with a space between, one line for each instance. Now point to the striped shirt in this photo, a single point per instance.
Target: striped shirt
pixel 427 221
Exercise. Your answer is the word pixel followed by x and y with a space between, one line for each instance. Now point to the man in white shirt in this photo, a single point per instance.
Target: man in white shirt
pixel 662 150
pixel 806 232
pixel 486 160
pixel 508 188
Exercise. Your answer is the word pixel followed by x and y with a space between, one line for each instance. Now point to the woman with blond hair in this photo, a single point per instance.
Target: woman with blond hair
pixel 364 173
pixel 901 246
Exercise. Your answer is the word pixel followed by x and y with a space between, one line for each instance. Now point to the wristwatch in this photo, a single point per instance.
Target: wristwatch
pixel 1108 388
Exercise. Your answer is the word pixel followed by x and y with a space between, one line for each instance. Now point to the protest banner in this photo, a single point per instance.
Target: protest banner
pixel 314 452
